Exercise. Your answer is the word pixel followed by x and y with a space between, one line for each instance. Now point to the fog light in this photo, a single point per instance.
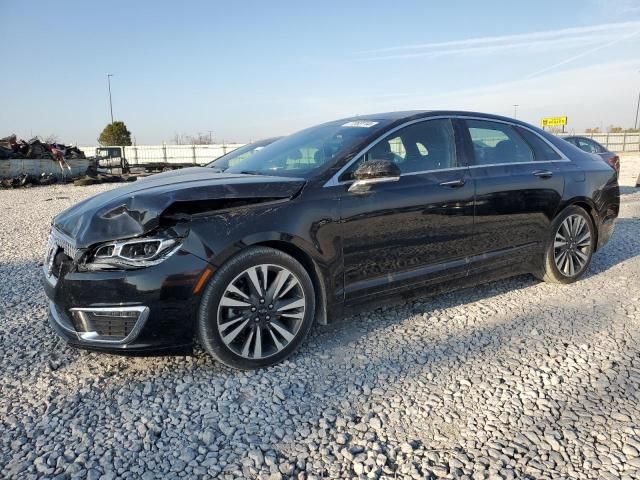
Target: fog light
pixel 118 324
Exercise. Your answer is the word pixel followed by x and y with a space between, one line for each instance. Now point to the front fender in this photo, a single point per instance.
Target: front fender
pixel 308 230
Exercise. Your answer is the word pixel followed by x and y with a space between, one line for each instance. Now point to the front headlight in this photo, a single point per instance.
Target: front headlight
pixel 134 253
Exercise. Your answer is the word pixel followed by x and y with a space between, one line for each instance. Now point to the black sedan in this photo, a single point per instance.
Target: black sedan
pixel 591 146
pixel 327 221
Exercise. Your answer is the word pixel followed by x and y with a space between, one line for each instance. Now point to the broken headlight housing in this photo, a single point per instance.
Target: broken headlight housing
pixel 134 253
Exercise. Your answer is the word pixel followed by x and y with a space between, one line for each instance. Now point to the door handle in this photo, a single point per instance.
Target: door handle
pixel 543 173
pixel 453 183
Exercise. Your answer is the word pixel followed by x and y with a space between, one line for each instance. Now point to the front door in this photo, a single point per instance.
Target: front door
pixel 416 230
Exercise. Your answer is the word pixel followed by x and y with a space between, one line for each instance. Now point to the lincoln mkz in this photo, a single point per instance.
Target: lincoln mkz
pixel 243 258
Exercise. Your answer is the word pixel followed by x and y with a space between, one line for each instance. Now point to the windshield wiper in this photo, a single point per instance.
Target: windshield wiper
pixel 250 172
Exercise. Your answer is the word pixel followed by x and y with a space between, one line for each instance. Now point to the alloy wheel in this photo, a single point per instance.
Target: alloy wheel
pixel 261 311
pixel 572 245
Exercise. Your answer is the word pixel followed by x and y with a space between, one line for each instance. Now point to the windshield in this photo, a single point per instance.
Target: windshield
pixel 236 156
pixel 302 153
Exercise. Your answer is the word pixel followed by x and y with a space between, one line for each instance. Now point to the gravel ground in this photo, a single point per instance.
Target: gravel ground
pixel 515 379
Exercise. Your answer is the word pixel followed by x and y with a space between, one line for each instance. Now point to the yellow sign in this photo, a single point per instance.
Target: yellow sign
pixel 554 121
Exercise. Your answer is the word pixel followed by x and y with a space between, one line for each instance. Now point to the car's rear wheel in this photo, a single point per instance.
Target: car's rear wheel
pixel 257 309
pixel 570 247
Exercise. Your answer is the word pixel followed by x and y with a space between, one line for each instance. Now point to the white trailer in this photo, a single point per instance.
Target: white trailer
pixel 157 157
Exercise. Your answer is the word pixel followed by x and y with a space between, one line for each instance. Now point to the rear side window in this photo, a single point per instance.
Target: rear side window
pixel 541 149
pixel 497 143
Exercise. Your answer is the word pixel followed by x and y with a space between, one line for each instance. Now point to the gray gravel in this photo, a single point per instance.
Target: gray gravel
pixel 514 379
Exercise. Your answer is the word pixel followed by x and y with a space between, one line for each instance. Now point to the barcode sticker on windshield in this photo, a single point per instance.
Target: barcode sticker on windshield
pixel 360 123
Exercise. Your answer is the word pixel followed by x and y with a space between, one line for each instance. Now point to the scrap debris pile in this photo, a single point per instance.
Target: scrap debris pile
pixel 11 147
pixel 13 177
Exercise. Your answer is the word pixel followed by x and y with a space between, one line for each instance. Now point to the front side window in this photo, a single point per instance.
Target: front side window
pixel 423 146
pixel 497 143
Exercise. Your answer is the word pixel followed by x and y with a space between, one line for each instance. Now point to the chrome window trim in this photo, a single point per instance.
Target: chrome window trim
pixel 333 181
pixel 534 162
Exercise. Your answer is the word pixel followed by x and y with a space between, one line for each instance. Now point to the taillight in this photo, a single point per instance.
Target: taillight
pixel 614 162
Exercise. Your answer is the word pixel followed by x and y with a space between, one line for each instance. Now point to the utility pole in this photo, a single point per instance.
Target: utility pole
pixel 210 136
pixel 515 110
pixel 109 75
pixel 635 124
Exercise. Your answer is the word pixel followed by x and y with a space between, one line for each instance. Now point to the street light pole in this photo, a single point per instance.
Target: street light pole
pixel 515 110
pixel 635 124
pixel 109 75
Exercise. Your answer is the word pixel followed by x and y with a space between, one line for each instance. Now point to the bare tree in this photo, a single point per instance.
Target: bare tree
pixel 200 139
pixel 197 139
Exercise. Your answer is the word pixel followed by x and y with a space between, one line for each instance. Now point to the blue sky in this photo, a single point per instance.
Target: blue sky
pixel 251 69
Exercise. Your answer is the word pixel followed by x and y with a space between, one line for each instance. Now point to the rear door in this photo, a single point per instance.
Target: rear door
pixel 518 185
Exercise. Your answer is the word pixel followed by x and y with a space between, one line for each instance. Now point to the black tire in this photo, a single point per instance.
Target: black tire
pixel 207 329
pixel 549 270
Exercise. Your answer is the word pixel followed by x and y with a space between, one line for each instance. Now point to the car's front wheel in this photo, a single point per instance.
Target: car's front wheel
pixel 570 247
pixel 257 309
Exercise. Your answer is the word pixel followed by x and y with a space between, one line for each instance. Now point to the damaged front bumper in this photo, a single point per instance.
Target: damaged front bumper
pixel 147 309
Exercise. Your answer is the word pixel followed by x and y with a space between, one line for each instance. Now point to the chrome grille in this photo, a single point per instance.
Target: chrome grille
pixel 58 240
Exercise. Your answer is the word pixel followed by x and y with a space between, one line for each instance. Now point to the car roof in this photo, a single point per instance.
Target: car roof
pixel 415 114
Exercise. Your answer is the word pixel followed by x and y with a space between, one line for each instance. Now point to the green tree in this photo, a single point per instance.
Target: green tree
pixel 115 133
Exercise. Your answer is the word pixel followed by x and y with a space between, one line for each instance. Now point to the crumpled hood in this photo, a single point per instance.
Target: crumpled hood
pixel 135 209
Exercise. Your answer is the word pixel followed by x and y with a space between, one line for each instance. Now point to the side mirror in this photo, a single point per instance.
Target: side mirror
pixel 372 172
